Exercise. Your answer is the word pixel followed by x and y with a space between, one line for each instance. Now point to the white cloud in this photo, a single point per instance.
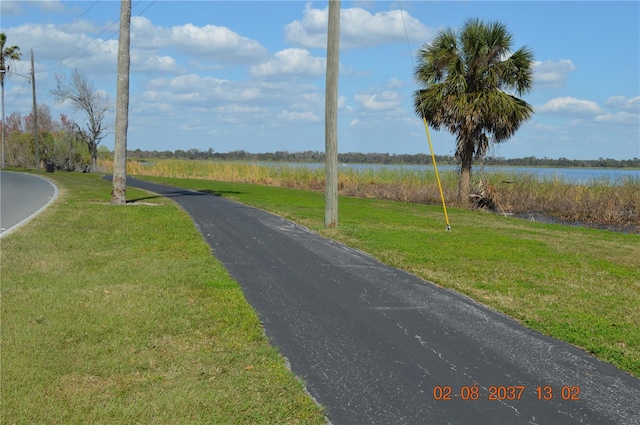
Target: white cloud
pixel 83 26
pixel 616 101
pixel 195 90
pixel 155 63
pixel 241 109
pixel 358 28
pixel 87 46
pixel 209 42
pixel 51 6
pixel 621 102
pixel 544 127
pixel 191 94
pixel 291 62
pixel 570 106
pixel 619 118
pixel 552 74
pixel 151 106
pixel 10 8
pixel 63 47
pixel 194 125
pixel 299 116
pixel 383 101
pixel 14 8
pixel 395 83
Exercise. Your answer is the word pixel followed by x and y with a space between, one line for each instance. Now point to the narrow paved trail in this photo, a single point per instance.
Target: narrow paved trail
pixel 376 345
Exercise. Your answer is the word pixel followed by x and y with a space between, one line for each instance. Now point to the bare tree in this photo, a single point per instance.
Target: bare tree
pixel 119 188
pixel 95 105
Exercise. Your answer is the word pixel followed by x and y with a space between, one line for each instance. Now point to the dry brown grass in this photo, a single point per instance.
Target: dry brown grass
pixel 594 202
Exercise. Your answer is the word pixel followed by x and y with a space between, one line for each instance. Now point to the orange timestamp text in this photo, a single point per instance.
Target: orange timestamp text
pixel 504 392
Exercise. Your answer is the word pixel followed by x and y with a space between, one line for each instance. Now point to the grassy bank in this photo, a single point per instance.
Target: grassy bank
pixel 594 202
pixel 121 315
pixel 578 285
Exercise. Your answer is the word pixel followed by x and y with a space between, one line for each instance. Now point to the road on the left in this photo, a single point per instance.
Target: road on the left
pixel 22 197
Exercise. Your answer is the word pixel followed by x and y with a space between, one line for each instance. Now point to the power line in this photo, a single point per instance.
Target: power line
pixel 65 28
pixel 17 96
pixel 59 64
pixel 84 45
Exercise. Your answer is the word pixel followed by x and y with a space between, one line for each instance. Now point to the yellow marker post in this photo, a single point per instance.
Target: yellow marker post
pixel 435 167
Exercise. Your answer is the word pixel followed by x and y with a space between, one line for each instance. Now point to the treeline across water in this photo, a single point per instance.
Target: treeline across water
pixel 376 158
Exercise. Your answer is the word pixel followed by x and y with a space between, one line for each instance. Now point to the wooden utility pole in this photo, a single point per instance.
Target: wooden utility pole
pixel 331 116
pixel 35 114
pixel 119 188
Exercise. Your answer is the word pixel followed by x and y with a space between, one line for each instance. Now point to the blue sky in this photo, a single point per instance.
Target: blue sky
pixel 249 75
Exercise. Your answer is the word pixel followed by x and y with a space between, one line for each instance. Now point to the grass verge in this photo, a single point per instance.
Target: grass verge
pixel 575 284
pixel 120 314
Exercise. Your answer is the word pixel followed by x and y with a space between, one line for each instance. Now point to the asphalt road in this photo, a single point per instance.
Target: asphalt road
pixel 22 197
pixel 376 345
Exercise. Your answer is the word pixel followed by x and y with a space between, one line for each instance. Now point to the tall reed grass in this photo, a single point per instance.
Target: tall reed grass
pixel 597 201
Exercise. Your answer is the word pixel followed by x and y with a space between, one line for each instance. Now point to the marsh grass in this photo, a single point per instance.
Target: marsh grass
pixel 575 284
pixel 597 201
pixel 120 314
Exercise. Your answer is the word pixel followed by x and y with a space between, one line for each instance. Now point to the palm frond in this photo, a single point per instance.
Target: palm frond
pixel 464 81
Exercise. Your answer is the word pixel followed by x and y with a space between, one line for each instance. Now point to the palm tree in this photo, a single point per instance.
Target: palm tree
pixel 331 116
pixel 119 187
pixel 467 78
pixel 6 54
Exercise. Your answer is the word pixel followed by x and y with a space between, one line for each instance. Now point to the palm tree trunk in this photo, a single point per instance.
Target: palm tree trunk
pixel 464 188
pixel 466 145
pixel 331 116
pixel 119 189
pixel 2 83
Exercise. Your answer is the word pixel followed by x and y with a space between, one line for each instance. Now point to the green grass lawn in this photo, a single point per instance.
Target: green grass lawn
pixel 575 284
pixel 120 314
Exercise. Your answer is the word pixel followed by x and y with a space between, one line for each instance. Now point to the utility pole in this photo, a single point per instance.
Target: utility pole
pixel 331 117
pixel 35 114
pixel 119 186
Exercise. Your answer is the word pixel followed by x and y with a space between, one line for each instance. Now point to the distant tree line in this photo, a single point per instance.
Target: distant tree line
pixel 564 162
pixel 377 158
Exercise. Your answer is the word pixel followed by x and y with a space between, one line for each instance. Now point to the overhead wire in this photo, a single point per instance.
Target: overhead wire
pixel 426 127
pixel 84 45
pixel 59 64
pixel 65 28
pixel 18 94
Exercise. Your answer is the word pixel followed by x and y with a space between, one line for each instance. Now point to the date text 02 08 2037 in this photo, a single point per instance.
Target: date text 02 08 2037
pixel 505 392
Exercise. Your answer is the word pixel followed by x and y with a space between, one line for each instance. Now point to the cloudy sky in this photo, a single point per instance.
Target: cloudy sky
pixel 249 75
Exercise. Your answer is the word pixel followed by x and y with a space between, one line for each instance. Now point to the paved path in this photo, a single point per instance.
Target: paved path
pixel 375 344
pixel 22 197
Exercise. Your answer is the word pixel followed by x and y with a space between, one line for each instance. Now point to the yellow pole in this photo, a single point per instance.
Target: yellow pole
pixel 435 167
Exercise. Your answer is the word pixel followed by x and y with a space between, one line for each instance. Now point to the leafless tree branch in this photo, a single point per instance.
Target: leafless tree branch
pixel 80 92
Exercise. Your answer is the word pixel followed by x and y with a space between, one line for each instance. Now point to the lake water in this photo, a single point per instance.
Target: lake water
pixel 573 175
